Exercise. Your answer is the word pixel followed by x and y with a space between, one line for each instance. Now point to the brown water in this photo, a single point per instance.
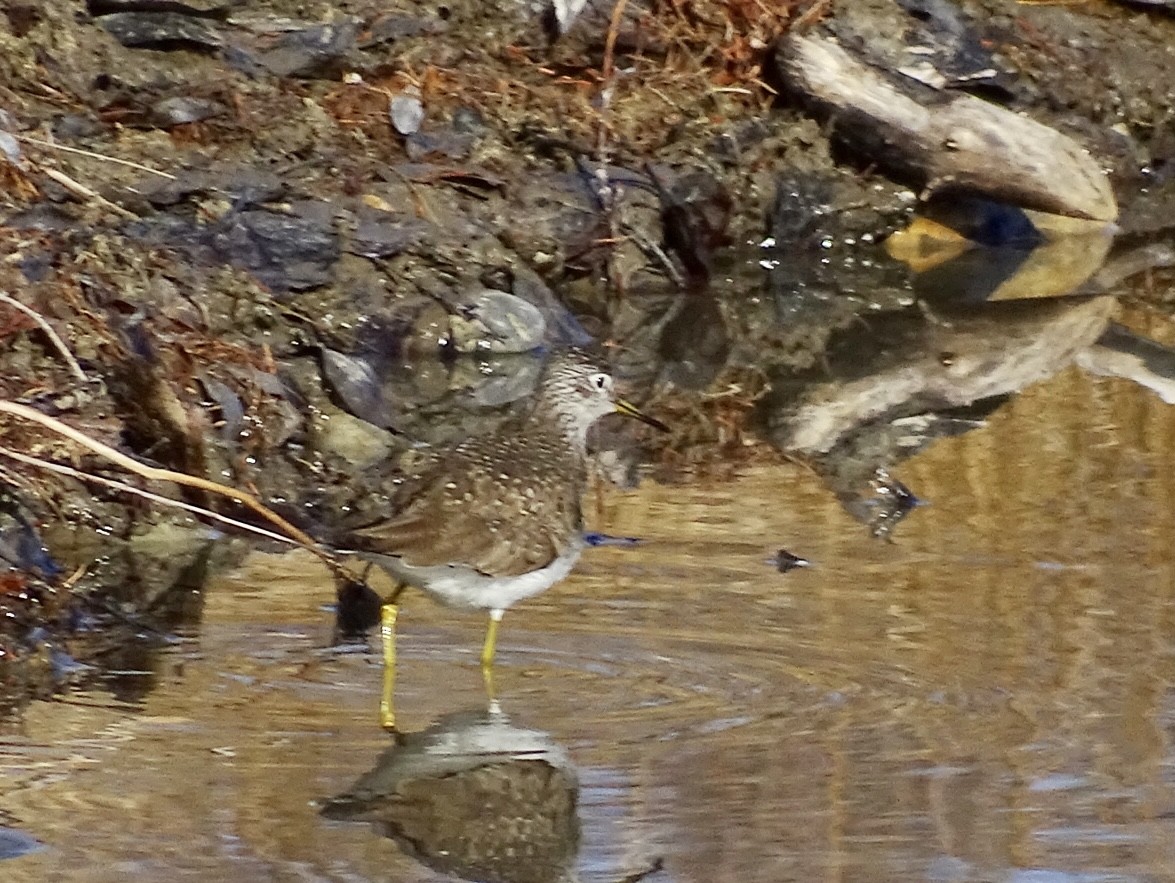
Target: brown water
pixel 989 697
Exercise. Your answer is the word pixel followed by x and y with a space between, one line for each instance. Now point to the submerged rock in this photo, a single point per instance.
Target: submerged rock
pixel 497 322
pixel 356 441
pixel 358 388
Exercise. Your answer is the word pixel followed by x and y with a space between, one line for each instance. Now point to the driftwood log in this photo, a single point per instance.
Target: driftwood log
pixel 940 142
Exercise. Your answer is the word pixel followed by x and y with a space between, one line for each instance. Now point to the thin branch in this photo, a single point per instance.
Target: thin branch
pixel 652 249
pixel 610 41
pixel 44 325
pixel 79 189
pixel 114 159
pixel 153 473
pixel 62 469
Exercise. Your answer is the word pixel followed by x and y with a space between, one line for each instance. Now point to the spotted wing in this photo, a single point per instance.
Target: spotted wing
pixel 483 519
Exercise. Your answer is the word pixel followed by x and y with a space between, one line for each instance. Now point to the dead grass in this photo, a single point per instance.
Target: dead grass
pixel 703 63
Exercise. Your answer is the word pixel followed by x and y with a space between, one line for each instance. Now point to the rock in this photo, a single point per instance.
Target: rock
pixel 316 51
pixel 384 235
pixel 563 329
pixel 934 42
pixel 161 30
pixel 358 442
pixel 14 843
pixel 406 111
pixel 506 380
pixel 357 387
pixel 497 322
pixel 285 251
pixel 181 110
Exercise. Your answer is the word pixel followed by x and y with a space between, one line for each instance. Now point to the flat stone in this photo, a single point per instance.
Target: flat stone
pixel 161 30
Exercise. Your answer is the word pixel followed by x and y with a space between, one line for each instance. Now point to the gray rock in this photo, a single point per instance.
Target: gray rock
pixel 384 235
pixel 15 843
pixel 180 110
pixel 358 388
pixel 508 380
pixel 406 111
pixel 161 30
pixel 316 51
pixel 284 251
pixel 497 322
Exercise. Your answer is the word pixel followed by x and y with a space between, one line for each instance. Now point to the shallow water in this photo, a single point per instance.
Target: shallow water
pixel 988 697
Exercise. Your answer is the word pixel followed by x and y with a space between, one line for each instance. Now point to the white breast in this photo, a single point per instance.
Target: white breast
pixel 460 586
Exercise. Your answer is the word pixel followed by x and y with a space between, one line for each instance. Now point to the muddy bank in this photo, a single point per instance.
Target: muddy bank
pixel 287 242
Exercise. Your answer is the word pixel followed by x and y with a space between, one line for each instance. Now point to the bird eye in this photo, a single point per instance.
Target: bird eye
pixel 601 381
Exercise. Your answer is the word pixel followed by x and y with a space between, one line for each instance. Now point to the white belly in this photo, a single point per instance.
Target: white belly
pixel 460 586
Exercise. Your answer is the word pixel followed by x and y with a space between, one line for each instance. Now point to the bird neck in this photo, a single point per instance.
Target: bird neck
pixel 553 414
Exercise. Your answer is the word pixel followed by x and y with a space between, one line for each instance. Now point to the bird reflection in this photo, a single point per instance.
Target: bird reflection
pixel 476 796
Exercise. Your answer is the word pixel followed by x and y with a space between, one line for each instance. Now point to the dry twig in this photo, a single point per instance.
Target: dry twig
pixel 62 469
pixel 101 156
pixel 44 325
pixel 81 190
pixel 610 41
pixel 153 473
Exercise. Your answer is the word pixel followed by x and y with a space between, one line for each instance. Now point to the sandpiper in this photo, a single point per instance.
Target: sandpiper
pixel 497 518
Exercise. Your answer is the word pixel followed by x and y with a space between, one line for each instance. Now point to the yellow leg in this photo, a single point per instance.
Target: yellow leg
pixel 487 649
pixel 387 633
pixel 487 658
pixel 487 678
